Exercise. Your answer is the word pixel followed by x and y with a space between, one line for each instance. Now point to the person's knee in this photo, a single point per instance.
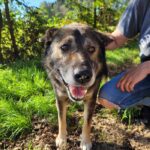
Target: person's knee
pixel 107 104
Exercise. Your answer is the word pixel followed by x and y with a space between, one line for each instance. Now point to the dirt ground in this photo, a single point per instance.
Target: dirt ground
pixel 108 133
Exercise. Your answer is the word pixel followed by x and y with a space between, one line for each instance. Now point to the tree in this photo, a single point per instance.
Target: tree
pixel 94 16
pixel 11 29
pixel 1 26
pixel 21 25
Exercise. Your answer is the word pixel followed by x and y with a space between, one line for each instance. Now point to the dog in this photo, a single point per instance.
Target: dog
pixel 75 63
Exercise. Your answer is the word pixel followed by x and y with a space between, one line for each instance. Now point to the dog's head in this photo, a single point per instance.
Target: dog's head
pixel 77 53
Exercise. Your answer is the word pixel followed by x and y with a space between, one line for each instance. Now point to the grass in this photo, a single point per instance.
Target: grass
pixel 12 122
pixel 25 91
pixel 120 56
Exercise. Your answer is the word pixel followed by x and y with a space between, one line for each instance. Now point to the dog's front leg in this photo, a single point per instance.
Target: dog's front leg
pixel 61 139
pixel 85 136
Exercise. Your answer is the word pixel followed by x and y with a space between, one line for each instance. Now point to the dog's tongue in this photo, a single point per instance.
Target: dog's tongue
pixel 77 92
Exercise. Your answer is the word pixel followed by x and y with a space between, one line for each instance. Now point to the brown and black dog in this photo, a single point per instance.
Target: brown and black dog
pixel 75 63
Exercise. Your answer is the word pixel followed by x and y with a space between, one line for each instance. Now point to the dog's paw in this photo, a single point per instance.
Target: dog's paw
pixel 86 145
pixel 61 143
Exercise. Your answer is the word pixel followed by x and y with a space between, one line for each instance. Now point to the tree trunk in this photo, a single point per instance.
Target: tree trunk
pixel 95 17
pixel 1 26
pixel 11 29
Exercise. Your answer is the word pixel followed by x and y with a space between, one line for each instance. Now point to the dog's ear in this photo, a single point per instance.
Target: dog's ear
pixel 104 39
pixel 49 34
pixel 47 38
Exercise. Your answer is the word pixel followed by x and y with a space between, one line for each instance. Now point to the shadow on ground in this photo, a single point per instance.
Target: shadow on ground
pixel 111 146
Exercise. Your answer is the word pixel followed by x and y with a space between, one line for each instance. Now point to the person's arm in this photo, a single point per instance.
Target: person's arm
pixel 129 24
pixel 128 27
pixel 133 76
pixel 118 40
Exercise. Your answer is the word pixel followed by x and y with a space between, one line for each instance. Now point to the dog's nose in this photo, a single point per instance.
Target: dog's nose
pixel 83 76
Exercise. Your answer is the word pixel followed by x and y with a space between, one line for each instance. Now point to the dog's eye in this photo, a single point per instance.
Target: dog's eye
pixel 91 49
pixel 65 47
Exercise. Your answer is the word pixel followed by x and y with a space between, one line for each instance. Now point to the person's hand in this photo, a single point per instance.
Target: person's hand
pixel 133 76
pixel 118 40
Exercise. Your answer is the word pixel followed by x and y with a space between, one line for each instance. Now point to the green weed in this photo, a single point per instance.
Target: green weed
pixel 130 113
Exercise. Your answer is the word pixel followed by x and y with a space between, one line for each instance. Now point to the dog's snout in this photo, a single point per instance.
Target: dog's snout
pixel 83 76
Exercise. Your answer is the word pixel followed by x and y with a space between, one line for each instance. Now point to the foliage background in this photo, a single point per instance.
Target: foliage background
pixel 28 24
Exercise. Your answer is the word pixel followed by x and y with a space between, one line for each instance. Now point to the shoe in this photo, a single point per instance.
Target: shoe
pixel 145 115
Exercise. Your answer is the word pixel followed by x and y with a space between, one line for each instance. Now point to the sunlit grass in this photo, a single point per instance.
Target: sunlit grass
pixel 120 56
pixel 12 122
pixel 24 92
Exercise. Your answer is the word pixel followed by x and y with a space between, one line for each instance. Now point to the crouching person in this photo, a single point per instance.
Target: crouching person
pixel 131 87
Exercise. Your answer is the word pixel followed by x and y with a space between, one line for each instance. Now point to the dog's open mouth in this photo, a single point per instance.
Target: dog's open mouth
pixel 76 93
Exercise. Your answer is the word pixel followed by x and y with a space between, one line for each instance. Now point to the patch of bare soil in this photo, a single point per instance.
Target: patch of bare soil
pixel 108 133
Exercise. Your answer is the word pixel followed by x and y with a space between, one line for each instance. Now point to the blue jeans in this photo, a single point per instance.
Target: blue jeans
pixel 139 96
